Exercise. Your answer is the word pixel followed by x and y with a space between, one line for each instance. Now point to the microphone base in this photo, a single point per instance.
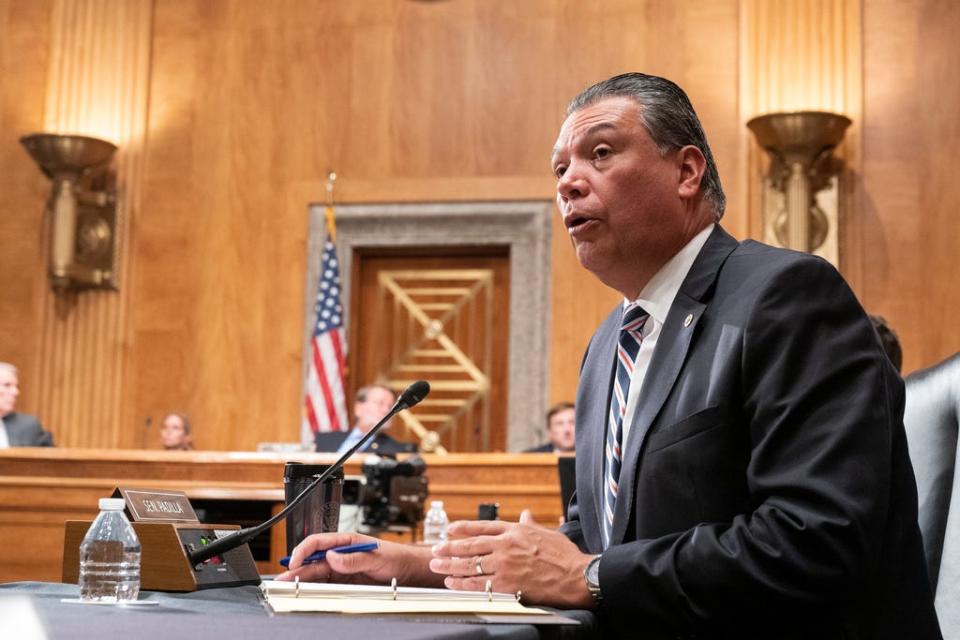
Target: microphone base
pixel 165 562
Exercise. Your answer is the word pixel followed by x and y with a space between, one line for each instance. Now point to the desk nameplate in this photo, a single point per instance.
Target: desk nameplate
pixel 146 505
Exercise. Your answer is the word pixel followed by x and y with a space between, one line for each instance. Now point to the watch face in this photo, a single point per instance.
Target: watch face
pixel 593 571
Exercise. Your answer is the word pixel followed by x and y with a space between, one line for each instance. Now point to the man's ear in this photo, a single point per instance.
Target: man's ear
pixel 692 167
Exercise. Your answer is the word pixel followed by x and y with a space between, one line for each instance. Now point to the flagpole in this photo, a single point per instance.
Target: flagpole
pixel 325 399
pixel 331 220
pixel 429 440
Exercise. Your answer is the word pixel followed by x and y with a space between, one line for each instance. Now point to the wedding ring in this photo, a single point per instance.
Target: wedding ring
pixel 476 563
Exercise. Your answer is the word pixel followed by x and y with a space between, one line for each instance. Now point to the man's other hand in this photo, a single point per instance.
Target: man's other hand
pixel 522 556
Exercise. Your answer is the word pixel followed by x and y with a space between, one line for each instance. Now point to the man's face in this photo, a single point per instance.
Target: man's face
pixel 9 390
pixel 172 432
pixel 618 197
pixel 562 433
pixel 376 405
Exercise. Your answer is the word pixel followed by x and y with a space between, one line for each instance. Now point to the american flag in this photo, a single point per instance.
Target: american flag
pixel 325 407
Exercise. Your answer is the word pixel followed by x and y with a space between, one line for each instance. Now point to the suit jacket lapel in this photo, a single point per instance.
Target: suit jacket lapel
pixel 596 378
pixel 673 344
pixel 14 429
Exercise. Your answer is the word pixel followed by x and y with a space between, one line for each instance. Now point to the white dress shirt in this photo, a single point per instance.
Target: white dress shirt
pixel 4 440
pixel 656 298
pixel 352 438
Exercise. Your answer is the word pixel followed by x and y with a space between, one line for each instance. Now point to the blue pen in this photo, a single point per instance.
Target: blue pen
pixel 317 556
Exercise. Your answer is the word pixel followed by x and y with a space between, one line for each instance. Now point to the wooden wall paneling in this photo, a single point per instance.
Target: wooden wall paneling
pixel 24 61
pixel 171 234
pixel 96 85
pixel 910 235
pixel 799 55
pixel 226 136
pixel 407 102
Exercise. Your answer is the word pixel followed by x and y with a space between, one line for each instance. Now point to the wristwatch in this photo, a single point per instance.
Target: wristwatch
pixel 591 575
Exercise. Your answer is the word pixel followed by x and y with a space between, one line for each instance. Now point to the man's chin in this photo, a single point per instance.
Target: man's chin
pixel 589 257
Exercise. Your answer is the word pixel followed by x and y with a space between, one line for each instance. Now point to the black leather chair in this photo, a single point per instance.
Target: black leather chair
pixel 932 420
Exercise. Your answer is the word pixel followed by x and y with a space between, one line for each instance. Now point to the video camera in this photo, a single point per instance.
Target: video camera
pixel 394 493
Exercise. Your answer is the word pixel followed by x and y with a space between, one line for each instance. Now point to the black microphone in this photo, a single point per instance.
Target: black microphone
pixel 410 397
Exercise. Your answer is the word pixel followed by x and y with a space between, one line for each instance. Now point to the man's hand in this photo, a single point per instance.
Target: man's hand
pixel 407 564
pixel 541 563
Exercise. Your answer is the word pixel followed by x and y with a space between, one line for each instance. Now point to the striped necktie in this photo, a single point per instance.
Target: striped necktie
pixel 627 349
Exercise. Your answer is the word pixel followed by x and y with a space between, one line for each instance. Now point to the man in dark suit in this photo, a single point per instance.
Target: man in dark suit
pixel 742 469
pixel 17 429
pixel 372 403
pixel 561 420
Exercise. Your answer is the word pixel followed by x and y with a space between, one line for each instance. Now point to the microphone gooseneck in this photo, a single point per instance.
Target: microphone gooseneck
pixel 410 397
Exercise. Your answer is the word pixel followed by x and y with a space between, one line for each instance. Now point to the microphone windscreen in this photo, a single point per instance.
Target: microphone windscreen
pixel 413 394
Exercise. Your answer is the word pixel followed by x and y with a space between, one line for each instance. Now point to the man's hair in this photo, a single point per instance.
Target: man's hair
pixel 557 408
pixel 6 366
pixel 888 340
pixel 365 391
pixel 668 117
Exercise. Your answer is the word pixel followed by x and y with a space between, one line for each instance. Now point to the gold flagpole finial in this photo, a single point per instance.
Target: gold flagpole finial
pixel 331 178
pixel 331 223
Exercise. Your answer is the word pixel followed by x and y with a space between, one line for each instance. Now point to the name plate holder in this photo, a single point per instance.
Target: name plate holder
pixel 168 529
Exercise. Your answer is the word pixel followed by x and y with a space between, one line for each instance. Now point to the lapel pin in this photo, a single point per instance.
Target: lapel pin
pixel 688 320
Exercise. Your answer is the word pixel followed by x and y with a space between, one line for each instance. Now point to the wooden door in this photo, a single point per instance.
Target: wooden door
pixel 432 314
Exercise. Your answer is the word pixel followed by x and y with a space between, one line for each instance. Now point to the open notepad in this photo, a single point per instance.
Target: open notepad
pixel 286 597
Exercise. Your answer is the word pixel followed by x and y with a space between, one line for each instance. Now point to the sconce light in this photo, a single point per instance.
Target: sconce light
pixel 802 167
pixel 83 204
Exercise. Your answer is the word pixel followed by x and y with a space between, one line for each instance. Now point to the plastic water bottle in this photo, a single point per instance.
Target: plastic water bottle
pixel 435 524
pixel 110 557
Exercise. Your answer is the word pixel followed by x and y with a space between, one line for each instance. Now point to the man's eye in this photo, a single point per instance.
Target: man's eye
pixel 559 171
pixel 601 152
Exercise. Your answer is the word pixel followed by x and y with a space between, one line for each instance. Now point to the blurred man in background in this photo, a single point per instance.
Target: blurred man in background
pixel 561 419
pixel 17 429
pixel 372 403
pixel 888 340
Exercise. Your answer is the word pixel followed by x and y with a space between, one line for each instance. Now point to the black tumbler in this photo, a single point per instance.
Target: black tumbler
pixel 320 510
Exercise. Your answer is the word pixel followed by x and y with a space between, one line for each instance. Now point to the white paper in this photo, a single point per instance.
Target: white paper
pixel 360 599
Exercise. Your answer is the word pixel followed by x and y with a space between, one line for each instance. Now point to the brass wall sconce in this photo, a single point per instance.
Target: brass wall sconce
pixel 800 195
pixel 83 205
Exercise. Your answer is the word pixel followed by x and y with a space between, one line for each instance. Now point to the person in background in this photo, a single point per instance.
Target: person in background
pixel 561 419
pixel 176 433
pixel 742 467
pixel 372 403
pixel 888 340
pixel 17 429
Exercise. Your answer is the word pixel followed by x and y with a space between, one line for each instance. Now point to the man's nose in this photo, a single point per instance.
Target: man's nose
pixel 572 184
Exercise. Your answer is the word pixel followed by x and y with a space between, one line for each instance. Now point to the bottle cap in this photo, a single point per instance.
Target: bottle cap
pixel 436 504
pixel 112 504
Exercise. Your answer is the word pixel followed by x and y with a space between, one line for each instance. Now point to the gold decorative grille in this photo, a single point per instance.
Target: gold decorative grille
pixel 438 324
